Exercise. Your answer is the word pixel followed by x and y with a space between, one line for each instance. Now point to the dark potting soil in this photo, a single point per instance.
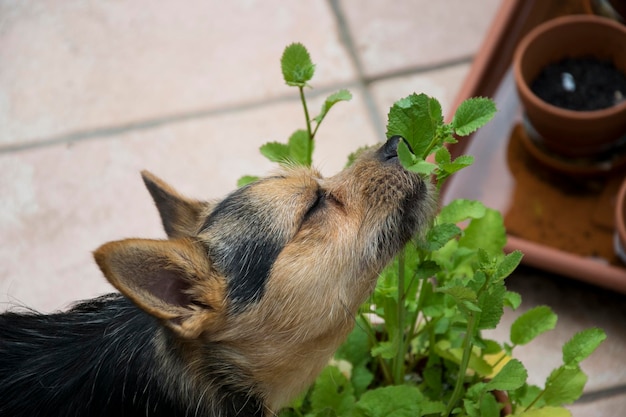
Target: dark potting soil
pixel 581 84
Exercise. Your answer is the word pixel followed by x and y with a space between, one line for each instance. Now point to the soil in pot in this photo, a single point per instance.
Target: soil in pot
pixel 582 84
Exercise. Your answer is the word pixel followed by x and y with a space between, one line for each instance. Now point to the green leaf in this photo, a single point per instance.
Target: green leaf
pixel 531 324
pixel 472 114
pixel 461 209
pixel 489 407
pixel 246 179
pixel 356 348
pixel 332 390
pixel 512 299
pixel 392 401
pixel 416 118
pixel 512 376
pixel 478 364
pixel 299 147
pixel 276 152
pixel 439 235
pixel 508 264
pixel 564 386
pixel 442 156
pixel 296 65
pixel 459 292
pixel 386 349
pixel 581 345
pixel 405 155
pixel 491 302
pixel 487 233
pixel 331 100
pixel 362 377
pixel 422 167
pixel 458 164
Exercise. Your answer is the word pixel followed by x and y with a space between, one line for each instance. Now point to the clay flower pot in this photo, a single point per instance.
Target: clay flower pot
pixel 571 133
pixel 620 223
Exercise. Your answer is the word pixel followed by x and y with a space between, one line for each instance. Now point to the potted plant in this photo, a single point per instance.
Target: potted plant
pixel 555 98
pixel 417 348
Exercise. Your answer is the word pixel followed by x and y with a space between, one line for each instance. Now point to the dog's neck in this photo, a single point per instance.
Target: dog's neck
pixel 105 357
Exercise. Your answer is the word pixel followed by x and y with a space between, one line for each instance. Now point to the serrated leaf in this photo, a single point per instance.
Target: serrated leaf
pixel 416 118
pixel 299 146
pixel 439 235
pixel 460 209
pixel 356 348
pixel 386 349
pixel 275 152
pixel 332 390
pixel 392 401
pixel 246 179
pixel 472 114
pixel 422 167
pixel 512 376
pixel 487 233
pixel 405 156
pixel 508 265
pixel 296 65
pixel 331 100
pixel 581 345
pixel 512 299
pixel 489 407
pixel 442 156
pixel 531 324
pixel 491 302
pixel 458 164
pixel 459 292
pixel 362 377
pixel 564 386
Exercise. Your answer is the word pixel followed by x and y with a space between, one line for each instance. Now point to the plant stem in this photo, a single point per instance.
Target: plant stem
pixel 374 342
pixel 308 127
pixel 467 351
pixel 415 319
pixel 398 364
pixel 558 374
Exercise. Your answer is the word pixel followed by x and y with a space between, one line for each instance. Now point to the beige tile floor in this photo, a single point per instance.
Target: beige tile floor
pixel 93 92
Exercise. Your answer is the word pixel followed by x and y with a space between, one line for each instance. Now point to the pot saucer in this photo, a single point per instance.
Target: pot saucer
pixel 597 165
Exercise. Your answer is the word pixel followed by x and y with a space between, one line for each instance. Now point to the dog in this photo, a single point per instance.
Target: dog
pixel 235 313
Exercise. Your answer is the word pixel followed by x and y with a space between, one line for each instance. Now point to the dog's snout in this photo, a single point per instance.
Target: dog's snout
pixel 390 149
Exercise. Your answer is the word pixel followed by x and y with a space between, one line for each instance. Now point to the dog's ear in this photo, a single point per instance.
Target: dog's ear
pixel 180 216
pixel 169 279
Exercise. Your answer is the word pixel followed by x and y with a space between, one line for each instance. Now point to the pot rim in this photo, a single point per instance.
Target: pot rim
pixel 620 210
pixel 544 28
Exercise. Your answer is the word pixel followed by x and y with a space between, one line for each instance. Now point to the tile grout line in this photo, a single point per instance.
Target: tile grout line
pixel 601 394
pixel 362 83
pixel 345 38
pixel 151 123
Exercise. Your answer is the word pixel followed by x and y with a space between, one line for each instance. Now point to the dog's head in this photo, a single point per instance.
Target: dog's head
pixel 278 268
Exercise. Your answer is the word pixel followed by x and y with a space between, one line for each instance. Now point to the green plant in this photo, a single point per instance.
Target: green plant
pixel 417 348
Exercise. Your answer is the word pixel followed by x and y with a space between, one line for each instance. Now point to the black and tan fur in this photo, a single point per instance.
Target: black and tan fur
pixel 235 314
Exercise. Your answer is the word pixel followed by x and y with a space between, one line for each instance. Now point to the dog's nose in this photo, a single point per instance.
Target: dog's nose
pixel 390 149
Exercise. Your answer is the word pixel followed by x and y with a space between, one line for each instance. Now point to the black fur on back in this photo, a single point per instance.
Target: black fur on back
pixel 99 359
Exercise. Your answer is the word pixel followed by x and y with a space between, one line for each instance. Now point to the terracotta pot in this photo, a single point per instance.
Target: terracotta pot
pixel 620 223
pixel 561 131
